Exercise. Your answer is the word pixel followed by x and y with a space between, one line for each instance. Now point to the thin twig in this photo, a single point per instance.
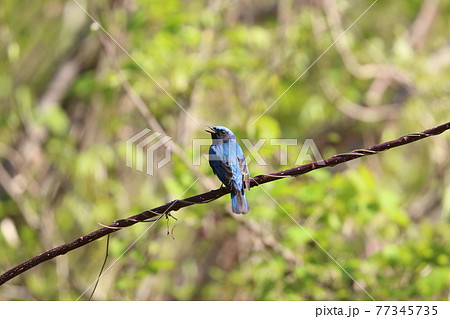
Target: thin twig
pixel 101 269
pixel 215 194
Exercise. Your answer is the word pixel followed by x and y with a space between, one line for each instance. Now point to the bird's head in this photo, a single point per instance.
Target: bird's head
pixel 220 134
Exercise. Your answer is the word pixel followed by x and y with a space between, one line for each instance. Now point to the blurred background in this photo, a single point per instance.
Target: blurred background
pixel 70 98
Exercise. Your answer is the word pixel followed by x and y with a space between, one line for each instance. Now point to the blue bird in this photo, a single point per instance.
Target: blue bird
pixel 228 162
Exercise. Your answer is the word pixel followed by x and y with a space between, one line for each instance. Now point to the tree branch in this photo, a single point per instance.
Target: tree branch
pixel 213 195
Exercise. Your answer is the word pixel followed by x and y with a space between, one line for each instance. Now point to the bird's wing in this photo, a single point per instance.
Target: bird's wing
pixel 220 167
pixel 244 170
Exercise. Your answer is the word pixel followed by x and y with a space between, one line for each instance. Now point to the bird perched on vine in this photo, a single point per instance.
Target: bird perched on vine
pixel 228 162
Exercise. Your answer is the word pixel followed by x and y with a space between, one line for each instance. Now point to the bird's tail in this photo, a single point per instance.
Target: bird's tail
pixel 239 203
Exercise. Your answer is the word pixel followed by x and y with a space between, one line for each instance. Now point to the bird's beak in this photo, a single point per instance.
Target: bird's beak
pixel 212 130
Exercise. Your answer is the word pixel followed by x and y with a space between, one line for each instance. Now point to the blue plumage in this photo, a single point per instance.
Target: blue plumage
pixel 228 162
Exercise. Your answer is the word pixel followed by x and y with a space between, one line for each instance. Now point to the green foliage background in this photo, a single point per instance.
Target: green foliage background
pixel 70 98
